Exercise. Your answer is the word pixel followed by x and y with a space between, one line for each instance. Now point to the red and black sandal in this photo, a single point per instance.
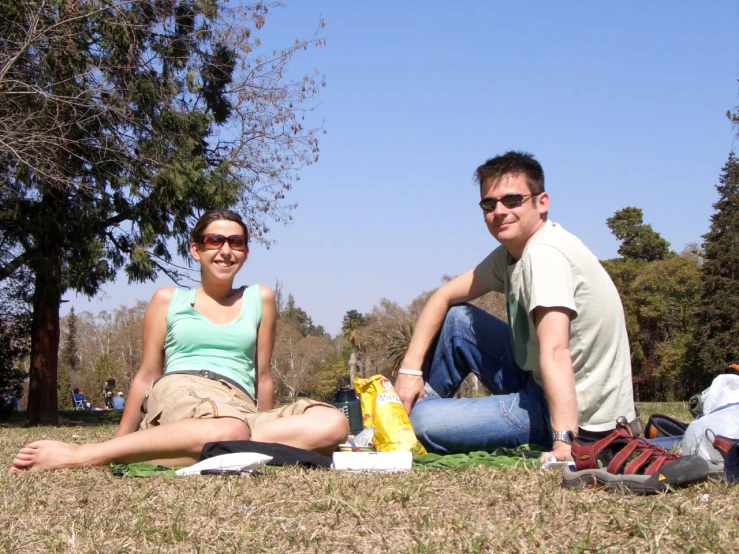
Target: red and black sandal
pixel 729 450
pixel 623 462
pixel 722 444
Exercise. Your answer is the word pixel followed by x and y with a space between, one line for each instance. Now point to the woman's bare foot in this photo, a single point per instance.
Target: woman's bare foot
pixel 47 455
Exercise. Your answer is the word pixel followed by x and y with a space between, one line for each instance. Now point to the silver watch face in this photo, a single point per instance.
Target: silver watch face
pixel 563 436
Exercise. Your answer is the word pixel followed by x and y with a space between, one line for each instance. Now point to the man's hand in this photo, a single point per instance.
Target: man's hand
pixel 561 451
pixel 409 389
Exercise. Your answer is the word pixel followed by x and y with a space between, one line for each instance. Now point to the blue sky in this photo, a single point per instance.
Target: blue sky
pixel 623 103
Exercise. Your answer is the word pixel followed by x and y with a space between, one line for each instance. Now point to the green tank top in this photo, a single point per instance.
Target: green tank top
pixel 193 342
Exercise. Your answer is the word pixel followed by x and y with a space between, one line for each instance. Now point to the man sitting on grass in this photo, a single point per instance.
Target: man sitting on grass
pixel 562 359
pixel 118 402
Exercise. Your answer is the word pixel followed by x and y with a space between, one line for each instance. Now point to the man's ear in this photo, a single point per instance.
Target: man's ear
pixel 542 203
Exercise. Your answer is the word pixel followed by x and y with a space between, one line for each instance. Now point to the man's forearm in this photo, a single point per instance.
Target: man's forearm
pixel 558 379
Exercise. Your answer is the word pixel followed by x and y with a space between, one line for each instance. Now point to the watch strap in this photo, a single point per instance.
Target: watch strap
pixel 563 436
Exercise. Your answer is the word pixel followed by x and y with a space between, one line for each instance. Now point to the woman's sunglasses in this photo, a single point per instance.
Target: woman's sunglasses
pixel 214 241
pixel 509 201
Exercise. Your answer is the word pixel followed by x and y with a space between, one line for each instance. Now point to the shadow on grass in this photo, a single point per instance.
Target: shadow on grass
pixel 71 418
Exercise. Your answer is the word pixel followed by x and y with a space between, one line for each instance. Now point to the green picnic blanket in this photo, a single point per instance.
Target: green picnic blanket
pixel 141 469
pixel 523 456
pixel 526 455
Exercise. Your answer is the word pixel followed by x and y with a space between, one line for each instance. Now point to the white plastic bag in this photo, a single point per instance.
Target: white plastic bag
pixel 235 461
pixel 724 422
pixel 724 390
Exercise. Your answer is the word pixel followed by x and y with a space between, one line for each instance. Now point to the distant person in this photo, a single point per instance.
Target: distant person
pixel 559 368
pixel 205 371
pixel 118 402
pixel 79 399
pixel 109 391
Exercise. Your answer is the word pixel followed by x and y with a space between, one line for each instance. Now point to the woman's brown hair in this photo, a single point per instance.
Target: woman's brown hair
pixel 209 217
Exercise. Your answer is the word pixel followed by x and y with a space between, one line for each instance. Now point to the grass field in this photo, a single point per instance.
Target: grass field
pixel 291 510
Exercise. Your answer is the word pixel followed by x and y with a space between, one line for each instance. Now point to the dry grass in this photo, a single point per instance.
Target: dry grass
pixel 291 510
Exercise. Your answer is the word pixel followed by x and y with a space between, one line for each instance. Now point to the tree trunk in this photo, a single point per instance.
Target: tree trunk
pixel 352 368
pixel 43 408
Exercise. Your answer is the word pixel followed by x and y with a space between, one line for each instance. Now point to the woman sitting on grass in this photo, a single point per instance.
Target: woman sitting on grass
pixel 206 357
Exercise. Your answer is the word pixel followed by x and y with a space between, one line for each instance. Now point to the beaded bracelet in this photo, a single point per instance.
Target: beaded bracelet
pixel 416 372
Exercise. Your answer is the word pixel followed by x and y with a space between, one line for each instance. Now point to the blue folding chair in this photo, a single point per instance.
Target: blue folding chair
pixel 77 404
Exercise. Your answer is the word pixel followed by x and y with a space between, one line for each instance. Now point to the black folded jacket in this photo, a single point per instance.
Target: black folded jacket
pixel 282 454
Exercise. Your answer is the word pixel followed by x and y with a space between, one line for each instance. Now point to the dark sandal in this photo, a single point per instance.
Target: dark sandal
pixel 729 450
pixel 623 462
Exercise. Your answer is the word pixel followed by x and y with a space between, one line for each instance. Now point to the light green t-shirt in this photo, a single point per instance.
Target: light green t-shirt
pixel 557 270
pixel 193 342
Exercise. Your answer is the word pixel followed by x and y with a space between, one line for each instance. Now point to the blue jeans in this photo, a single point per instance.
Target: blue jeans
pixel 516 413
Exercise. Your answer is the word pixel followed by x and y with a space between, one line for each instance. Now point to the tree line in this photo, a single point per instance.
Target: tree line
pixel 682 316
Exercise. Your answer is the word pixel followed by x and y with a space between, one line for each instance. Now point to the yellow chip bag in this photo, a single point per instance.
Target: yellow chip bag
pixel 383 410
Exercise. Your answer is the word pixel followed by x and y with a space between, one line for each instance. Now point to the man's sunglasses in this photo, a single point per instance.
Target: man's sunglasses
pixel 214 241
pixel 509 201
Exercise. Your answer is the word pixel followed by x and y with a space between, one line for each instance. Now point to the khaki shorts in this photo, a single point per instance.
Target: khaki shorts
pixel 178 397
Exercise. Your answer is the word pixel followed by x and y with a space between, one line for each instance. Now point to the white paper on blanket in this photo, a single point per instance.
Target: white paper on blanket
pixel 236 461
pixel 553 463
pixel 373 461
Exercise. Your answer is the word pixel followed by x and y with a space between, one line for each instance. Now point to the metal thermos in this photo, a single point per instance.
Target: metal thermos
pixel 346 401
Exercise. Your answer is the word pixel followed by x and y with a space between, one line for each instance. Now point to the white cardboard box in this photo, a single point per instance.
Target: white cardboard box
pixel 373 461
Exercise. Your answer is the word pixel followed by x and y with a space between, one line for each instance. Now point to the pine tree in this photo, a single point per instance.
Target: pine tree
pixel 68 359
pixel 69 354
pixel 63 386
pixel 15 326
pixel 719 309
pixel 638 240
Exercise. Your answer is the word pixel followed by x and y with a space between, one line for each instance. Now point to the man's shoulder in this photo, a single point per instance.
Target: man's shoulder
pixel 555 238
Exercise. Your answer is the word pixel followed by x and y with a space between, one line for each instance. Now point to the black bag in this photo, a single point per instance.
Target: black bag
pixel 282 454
pixel 664 426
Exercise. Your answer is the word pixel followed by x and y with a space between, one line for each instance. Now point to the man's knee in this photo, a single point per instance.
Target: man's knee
pixel 422 426
pixel 458 319
pixel 462 318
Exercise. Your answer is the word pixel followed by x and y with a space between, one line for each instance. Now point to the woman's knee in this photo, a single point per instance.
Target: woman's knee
pixel 229 429
pixel 334 424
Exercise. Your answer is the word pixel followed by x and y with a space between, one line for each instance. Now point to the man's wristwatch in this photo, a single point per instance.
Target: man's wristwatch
pixel 563 436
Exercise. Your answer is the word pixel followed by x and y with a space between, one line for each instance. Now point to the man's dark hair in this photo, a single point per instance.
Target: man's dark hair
pixel 76 390
pixel 513 163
